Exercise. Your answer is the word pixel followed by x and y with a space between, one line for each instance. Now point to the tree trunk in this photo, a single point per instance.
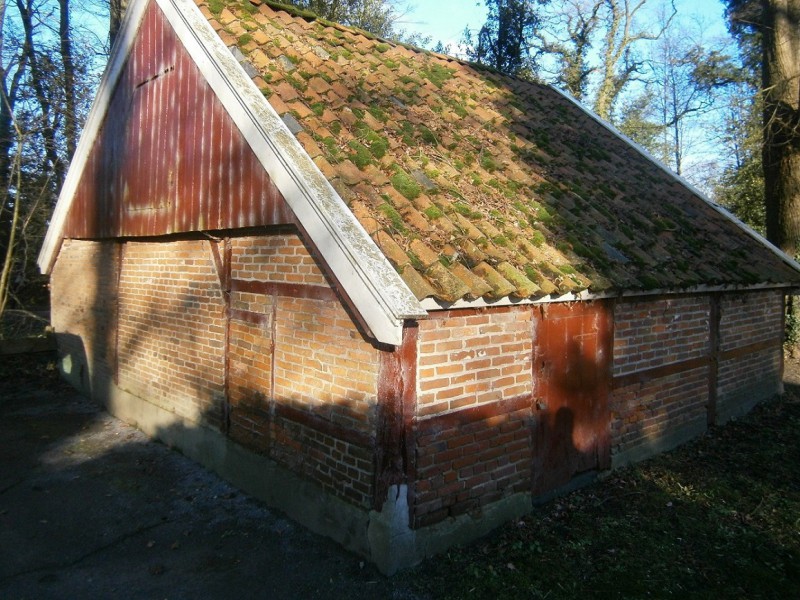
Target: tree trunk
pixel 781 150
pixel 116 12
pixel 38 79
pixel 70 113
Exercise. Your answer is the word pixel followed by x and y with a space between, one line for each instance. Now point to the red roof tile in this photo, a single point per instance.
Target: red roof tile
pixel 479 185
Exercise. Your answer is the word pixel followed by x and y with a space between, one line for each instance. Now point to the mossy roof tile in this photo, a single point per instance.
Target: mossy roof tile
pixel 511 188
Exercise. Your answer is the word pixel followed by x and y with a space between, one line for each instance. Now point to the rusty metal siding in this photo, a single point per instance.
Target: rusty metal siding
pixel 572 375
pixel 169 159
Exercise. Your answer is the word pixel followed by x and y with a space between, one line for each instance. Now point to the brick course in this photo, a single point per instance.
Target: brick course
pixel 659 412
pixel 648 413
pixel 473 358
pixel 749 379
pixel 745 378
pixel 652 333
pixel 471 458
pixel 750 318
pixel 83 288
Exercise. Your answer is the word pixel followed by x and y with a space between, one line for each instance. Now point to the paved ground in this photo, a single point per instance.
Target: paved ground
pixel 89 508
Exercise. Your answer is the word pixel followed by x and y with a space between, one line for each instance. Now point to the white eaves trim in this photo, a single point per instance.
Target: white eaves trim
pixel 119 56
pixel 431 304
pixel 380 296
pixel 721 210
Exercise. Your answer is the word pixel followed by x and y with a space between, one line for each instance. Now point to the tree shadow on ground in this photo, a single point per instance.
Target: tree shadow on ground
pixel 91 508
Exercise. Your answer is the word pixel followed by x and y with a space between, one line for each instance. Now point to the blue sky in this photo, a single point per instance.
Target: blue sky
pixel 445 20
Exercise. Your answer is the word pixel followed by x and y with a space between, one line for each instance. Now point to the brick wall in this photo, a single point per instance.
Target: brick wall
pixel 470 458
pixel 302 380
pixel 323 371
pixel 472 437
pixel 279 364
pixel 645 416
pixel 250 376
pixel 343 468
pixel 473 358
pixel 83 304
pixel 672 376
pixel 172 328
pixel 751 360
pixel 653 333
pixel 661 408
pixel 280 258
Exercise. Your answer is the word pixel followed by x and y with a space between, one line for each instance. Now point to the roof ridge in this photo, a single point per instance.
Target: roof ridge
pixel 311 17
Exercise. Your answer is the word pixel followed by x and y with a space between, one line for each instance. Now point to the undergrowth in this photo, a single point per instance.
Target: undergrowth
pixel 717 518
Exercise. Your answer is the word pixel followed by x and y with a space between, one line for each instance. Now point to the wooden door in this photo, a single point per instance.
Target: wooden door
pixel 572 385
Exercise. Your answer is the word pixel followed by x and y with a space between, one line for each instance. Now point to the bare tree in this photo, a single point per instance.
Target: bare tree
pixel 116 13
pixel 620 63
pixel 379 17
pixel 45 86
pixel 567 35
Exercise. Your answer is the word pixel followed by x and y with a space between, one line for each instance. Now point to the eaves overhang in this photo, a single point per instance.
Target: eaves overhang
pixel 432 304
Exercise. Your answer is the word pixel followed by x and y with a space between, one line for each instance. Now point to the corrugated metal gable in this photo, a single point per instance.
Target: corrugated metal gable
pixel 168 158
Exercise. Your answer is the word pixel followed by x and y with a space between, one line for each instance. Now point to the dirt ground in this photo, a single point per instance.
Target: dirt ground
pixel 89 508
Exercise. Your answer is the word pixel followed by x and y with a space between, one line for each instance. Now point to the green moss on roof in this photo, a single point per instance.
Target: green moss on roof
pixel 361 156
pixel 527 179
pixel 396 220
pixel 406 185
pixel 433 212
pixel 436 73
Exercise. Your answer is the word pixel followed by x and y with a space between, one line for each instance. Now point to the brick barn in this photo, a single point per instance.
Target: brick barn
pixel 397 296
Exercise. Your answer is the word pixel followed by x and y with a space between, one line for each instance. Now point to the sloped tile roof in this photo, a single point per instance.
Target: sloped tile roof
pixel 477 185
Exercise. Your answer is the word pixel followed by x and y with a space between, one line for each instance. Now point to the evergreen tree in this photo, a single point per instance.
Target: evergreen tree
pixel 504 41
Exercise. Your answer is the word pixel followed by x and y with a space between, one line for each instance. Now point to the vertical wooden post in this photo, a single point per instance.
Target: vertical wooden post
pixel 714 317
pixel 394 440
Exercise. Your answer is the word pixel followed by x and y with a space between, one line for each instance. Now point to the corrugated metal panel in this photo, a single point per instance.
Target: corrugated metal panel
pixel 168 158
pixel 572 374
